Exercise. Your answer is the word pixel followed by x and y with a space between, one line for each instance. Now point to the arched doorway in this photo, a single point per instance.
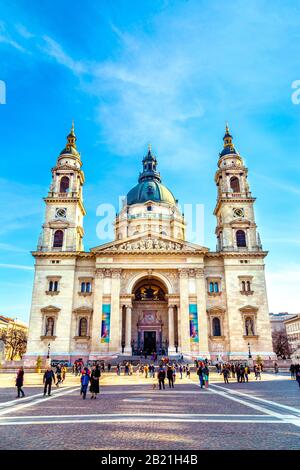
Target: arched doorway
pixel 149 317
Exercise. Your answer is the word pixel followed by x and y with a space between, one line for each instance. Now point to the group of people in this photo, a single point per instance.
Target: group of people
pixel 203 373
pixel 92 378
pixel 238 371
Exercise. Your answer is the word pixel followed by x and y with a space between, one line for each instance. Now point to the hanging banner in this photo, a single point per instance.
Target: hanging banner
pixel 105 326
pixel 193 313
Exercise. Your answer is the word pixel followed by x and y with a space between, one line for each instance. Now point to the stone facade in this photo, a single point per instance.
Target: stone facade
pixel 149 289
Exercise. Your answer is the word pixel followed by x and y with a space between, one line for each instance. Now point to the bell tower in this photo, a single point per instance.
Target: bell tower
pixel 63 226
pixel 236 228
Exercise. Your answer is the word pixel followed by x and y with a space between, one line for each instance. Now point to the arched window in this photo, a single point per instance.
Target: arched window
pixel 243 286
pixel 49 327
pixel 216 287
pixel 58 239
pixel 83 327
pixel 211 287
pixel 235 184
pixel 248 286
pixel 241 238
pixel 88 287
pixel 216 326
pixel 64 184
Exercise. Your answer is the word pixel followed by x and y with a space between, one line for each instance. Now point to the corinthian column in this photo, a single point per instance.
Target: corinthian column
pixel 114 340
pixel 128 348
pixel 202 316
pixel 96 345
pixel 184 312
pixel 171 348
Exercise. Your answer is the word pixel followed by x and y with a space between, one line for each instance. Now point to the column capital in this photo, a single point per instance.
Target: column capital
pixel 183 273
pixel 116 273
pixel 99 273
pixel 199 273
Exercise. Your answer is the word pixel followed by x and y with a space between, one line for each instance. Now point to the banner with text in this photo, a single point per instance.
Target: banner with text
pixel 105 326
pixel 193 312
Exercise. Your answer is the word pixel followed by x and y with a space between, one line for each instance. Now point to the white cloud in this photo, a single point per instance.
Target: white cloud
pixel 16 266
pixel 55 50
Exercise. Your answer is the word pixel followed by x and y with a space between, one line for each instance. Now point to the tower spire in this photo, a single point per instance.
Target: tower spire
pixel 228 143
pixel 71 147
pixel 149 167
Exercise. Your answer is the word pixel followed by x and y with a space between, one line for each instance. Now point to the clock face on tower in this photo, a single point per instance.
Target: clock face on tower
pixel 61 213
pixel 238 212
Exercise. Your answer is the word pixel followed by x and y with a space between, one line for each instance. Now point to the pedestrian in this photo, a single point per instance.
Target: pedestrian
pixel 258 372
pixel 118 369
pixel 225 373
pixel 247 373
pixel 47 380
pixel 63 373
pixel 276 370
pixel 19 382
pixel 242 373
pixel 95 378
pixel 161 375
pixel 146 369
pixel 233 371
pixel 180 371
pixel 108 367
pixel 188 372
pixel 205 375
pixel 298 377
pixel 200 374
pixel 174 373
pixel 292 371
pixel 58 375
pixel 85 380
pixel 238 372
pixel 170 377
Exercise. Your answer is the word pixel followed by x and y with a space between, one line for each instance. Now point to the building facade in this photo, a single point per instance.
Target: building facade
pixel 149 289
pixel 16 330
pixel 292 326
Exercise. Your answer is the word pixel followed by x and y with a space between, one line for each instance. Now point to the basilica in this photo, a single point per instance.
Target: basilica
pixel 149 289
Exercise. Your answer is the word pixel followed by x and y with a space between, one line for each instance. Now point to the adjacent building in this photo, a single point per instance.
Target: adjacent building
pixel 149 289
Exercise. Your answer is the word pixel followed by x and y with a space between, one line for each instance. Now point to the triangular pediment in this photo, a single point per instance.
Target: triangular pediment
pixel 152 243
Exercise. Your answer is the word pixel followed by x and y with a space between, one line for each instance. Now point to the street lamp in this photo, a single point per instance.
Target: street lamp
pixel 249 353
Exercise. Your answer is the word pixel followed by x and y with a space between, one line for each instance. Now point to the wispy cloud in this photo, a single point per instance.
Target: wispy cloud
pixel 6 38
pixel 16 266
pixel 55 50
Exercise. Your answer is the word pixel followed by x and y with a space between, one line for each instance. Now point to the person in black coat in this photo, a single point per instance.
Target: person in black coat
pixel 161 375
pixel 170 377
pixel 19 382
pixel 47 380
pixel 95 377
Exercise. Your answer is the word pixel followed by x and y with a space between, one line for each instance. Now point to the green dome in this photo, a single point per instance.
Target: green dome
pixel 150 190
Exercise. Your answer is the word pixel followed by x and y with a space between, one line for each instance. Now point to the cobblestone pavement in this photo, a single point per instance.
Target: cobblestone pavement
pixel 129 414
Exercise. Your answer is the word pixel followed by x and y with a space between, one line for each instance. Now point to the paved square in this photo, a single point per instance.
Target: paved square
pixel 129 414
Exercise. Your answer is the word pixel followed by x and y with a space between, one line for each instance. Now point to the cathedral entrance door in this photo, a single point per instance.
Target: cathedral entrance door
pixel 149 341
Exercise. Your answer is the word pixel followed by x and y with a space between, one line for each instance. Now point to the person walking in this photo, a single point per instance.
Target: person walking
pixel 200 375
pixel 292 371
pixel 108 367
pixel 258 372
pixel 188 372
pixel 238 372
pixel 19 382
pixel 205 375
pixel 298 377
pixel 63 373
pixel 276 370
pixel 47 380
pixel 247 373
pixel 85 380
pixel 225 372
pixel 170 377
pixel 161 375
pixel 180 371
pixel 233 370
pixel 95 378
pixel 242 373
pixel 58 375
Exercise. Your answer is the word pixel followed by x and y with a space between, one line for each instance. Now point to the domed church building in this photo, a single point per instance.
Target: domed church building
pixel 149 289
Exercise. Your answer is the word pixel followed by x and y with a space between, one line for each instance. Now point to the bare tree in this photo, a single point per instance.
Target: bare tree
pixel 281 345
pixel 15 341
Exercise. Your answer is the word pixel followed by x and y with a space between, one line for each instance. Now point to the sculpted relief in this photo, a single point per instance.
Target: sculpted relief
pixel 149 244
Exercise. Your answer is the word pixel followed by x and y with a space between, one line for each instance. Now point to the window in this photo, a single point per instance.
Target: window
pixel 49 326
pixel 216 326
pixel 149 208
pixel 241 238
pixel 53 286
pixel 249 326
pixel 82 327
pixel 64 184
pixel 214 287
pixel 58 239
pixel 235 184
pixel 86 287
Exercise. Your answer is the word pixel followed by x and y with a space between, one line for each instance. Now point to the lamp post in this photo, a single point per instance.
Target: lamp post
pixel 249 353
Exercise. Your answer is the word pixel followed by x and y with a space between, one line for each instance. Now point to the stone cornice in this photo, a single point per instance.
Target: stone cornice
pixel 236 254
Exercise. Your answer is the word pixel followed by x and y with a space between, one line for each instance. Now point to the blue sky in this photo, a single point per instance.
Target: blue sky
pixel 166 72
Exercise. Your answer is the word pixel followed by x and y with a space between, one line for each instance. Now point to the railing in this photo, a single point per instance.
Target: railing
pixel 64 195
